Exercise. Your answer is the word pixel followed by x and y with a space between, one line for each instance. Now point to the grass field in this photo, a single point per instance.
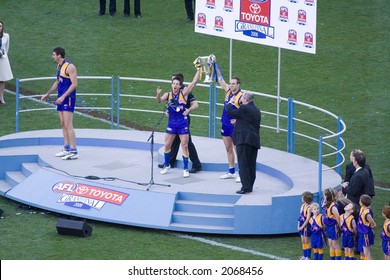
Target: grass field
pixel 348 76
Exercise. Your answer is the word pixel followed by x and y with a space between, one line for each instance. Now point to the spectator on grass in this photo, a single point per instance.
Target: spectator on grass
pixel 126 9
pixel 137 8
pixel 111 7
pixel 351 169
pixel 190 9
pixel 360 180
pixel 5 67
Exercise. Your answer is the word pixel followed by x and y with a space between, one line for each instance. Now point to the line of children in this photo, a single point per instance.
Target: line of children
pixel 314 227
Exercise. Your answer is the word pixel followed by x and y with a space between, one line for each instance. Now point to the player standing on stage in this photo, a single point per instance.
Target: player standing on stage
pixel 66 84
pixel 177 118
pixel 232 91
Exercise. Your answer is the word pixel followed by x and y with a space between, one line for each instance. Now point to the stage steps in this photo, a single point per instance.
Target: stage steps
pixel 16 171
pixel 197 212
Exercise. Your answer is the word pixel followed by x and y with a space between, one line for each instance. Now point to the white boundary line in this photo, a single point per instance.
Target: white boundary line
pixel 231 247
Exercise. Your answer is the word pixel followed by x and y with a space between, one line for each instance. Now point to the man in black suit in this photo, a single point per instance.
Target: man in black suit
pixel 360 180
pixel 246 138
pixel 350 170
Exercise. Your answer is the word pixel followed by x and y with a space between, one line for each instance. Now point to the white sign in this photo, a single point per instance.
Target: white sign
pixel 288 24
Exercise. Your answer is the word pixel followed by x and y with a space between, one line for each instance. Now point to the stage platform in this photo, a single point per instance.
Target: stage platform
pixel 115 181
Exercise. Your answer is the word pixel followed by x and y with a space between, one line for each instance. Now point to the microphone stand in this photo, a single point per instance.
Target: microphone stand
pixel 151 139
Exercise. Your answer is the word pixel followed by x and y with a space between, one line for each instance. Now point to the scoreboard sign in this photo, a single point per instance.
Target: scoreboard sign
pixel 288 24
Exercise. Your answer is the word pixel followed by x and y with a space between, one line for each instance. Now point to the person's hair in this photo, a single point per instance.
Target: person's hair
pixel 237 79
pixel 329 196
pixel 59 51
pixel 179 78
pixel 307 197
pixel 248 96
pixel 359 157
pixel 315 205
pixel 355 209
pixel 386 211
pixel 179 75
pixel 365 199
pixel 2 30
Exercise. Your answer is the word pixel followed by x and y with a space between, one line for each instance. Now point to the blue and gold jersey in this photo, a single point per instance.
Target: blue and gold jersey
pixel 316 223
pixel 385 234
pixel 228 96
pixel 178 104
pixel 303 213
pixel 346 224
pixel 363 225
pixel 63 79
pixel 329 218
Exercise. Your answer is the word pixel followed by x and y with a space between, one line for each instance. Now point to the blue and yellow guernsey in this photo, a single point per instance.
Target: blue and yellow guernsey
pixel 63 79
pixel 176 109
pixel 385 234
pixel 225 119
pixel 346 224
pixel 363 225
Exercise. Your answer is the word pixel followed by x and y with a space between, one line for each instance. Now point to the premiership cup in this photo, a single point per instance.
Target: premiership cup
pixel 206 63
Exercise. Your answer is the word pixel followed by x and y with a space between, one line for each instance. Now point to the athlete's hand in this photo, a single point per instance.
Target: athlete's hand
pixel 60 100
pixel 158 91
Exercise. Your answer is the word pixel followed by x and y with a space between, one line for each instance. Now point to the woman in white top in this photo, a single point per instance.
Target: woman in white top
pixel 5 67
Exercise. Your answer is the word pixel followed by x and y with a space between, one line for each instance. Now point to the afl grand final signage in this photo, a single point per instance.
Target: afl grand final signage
pixel 288 24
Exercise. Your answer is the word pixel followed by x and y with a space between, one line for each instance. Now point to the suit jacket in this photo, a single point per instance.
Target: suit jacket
pixel 247 127
pixel 358 185
pixel 370 187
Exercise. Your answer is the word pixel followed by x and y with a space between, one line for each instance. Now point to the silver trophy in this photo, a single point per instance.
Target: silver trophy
pixel 206 63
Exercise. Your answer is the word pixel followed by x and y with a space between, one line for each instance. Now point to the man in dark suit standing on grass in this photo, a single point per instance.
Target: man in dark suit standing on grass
pixel 360 180
pixel 246 138
pixel 350 170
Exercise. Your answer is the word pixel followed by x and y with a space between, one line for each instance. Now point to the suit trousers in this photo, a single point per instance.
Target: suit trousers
pixel 137 7
pixel 191 149
pixel 190 8
pixel 111 7
pixel 246 158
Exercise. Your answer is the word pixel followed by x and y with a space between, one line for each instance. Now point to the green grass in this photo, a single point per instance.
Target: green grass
pixel 348 76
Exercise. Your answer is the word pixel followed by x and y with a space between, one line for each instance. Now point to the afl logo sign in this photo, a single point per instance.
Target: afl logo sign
pixel 87 196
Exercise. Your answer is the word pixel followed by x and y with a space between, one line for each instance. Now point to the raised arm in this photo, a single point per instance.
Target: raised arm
pixel 190 87
pixel 160 98
pixel 221 81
